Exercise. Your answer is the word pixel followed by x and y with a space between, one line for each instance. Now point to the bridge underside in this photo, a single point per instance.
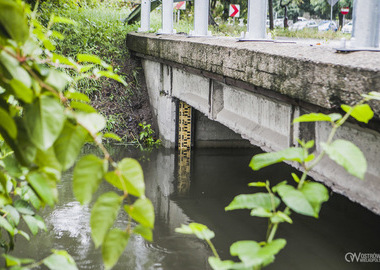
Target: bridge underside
pixel 232 111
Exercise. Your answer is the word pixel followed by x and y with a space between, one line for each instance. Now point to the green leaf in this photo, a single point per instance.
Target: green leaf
pixel 13 215
pixel 103 215
pixel 372 95
pixel 24 234
pixel 69 144
pixel 12 261
pixel 310 158
pixel 47 158
pixel 112 136
pixel 6 225
pixel 12 166
pixel 23 207
pixel 133 176
pixel 30 195
pixel 142 211
pixel 5 199
pixel 57 58
pixel 257 184
pixel 114 245
pixel 44 121
pixel 252 254
pixel 89 58
pixel 116 180
pixel 93 122
pixel 270 249
pixel 261 212
pixel 251 201
pixel 25 150
pixel 111 75
pixel 263 160
pixel 8 124
pixel 313 117
pixel 144 232
pixel 362 113
pixel 21 91
pixel 58 35
pixel 87 176
pixel 309 144
pixel 281 217
pixel 63 20
pixel 57 79
pixel 44 186
pixel 246 251
pixel 12 65
pixel 218 264
pixel 77 96
pixel 82 107
pixel 34 224
pixel 335 116
pixel 296 178
pixel 295 200
pixel 348 155
pixel 86 68
pixel 60 261
pixel 201 231
pixel 13 20
pixel 316 194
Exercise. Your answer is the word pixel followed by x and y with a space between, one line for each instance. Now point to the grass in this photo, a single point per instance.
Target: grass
pixel 100 31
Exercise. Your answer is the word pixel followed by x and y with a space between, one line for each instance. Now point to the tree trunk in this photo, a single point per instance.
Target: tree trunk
pixel 271 24
pixel 340 20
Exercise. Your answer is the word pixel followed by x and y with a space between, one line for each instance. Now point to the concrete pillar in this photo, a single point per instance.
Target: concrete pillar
pixel 257 17
pixel 201 11
pixel 167 17
pixel 145 16
pixel 366 24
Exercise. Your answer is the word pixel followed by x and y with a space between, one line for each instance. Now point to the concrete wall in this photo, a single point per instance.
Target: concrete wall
pixel 259 110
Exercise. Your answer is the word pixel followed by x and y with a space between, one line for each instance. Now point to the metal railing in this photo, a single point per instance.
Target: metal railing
pixel 365 34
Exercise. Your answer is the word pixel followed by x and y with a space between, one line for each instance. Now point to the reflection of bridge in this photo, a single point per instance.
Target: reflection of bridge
pixel 256 90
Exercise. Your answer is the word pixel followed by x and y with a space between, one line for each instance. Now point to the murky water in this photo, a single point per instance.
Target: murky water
pixel 216 177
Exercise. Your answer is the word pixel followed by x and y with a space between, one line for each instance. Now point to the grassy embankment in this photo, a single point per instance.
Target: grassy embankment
pixel 100 31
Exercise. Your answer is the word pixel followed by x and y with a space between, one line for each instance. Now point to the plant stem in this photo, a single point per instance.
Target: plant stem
pixel 272 233
pixel 213 248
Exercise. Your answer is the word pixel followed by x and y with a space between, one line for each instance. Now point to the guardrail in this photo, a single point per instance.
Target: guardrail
pixel 365 35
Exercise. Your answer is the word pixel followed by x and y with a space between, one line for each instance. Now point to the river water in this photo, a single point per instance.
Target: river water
pixel 217 175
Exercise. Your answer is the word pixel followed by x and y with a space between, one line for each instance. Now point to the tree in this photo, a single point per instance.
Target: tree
pixel 44 123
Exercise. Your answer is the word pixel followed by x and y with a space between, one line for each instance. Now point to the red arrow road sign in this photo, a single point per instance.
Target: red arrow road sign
pixel 180 5
pixel 234 10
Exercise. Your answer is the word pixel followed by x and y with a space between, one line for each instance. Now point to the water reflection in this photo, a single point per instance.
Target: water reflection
pixel 216 177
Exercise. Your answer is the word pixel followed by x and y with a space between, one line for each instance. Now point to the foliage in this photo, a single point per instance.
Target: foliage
pixel 146 137
pixel 45 121
pixel 303 197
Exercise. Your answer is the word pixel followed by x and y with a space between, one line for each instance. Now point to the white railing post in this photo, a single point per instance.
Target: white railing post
pixel 167 17
pixel 257 18
pixel 366 24
pixel 145 16
pixel 201 11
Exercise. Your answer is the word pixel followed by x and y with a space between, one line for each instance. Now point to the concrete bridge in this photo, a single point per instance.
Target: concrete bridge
pixel 254 90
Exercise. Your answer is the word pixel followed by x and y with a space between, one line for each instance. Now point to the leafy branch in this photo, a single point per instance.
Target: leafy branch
pixel 305 199
pixel 45 123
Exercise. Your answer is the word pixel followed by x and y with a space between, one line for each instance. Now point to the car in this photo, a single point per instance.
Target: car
pixel 279 22
pixel 327 26
pixel 302 25
pixel 347 28
pixel 301 19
